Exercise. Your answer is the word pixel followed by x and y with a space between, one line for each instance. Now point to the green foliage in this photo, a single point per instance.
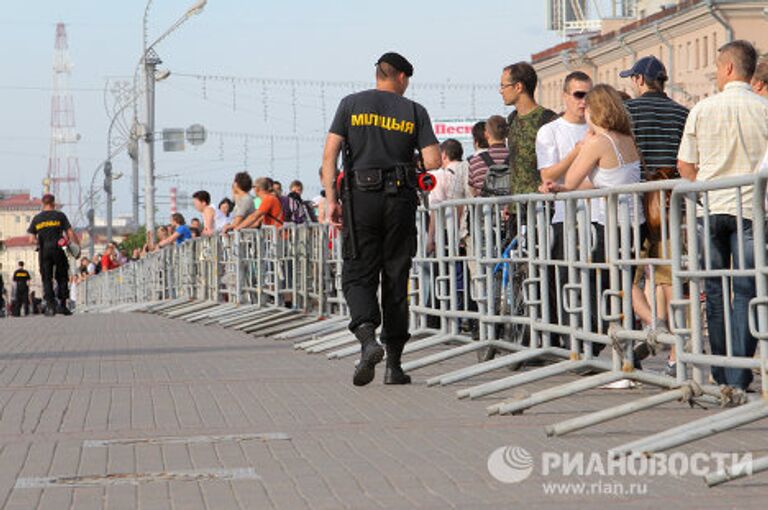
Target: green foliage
pixel 136 240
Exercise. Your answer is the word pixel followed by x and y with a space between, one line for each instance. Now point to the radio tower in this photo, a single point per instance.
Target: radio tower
pixel 63 176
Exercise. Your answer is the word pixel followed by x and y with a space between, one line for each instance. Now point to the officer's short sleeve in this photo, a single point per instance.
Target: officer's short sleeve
pixel 31 228
pixel 426 132
pixel 65 222
pixel 339 124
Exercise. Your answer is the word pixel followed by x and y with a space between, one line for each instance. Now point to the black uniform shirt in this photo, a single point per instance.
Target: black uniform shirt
pixel 21 277
pixel 381 129
pixel 49 226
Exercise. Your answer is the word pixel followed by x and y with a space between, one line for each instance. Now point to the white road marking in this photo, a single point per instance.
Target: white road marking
pixel 268 436
pixel 199 475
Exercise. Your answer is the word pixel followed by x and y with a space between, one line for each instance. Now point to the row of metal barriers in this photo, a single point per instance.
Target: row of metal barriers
pixel 544 285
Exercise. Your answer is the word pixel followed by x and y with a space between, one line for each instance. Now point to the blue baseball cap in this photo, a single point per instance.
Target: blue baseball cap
pixel 649 67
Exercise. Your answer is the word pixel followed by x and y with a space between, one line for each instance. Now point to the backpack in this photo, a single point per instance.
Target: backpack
pixel 498 179
pixel 298 211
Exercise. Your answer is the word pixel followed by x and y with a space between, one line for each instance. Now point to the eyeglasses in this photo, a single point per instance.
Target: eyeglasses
pixel 502 86
pixel 579 94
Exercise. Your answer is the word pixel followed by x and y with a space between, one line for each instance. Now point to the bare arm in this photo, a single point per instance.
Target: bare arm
pixel 251 220
pixel 556 171
pixel 687 170
pixel 431 157
pixel 331 152
pixel 169 240
pixel 209 222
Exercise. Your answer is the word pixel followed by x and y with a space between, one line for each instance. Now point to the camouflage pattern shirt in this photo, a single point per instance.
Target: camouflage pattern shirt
pixel 525 176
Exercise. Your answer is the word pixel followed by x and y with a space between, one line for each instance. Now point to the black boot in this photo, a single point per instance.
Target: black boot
pixel 62 309
pixel 50 309
pixel 394 373
pixel 371 353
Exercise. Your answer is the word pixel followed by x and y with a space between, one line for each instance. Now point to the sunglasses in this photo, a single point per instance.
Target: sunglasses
pixel 579 94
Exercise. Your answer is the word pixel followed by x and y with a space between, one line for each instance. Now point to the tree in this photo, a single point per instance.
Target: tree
pixel 136 240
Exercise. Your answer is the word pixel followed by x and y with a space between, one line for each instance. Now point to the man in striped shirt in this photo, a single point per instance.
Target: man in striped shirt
pixel 496 131
pixel 657 121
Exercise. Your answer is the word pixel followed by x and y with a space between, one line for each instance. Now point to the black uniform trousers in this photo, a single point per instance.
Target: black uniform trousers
pixel 20 300
pixel 54 266
pixel 385 230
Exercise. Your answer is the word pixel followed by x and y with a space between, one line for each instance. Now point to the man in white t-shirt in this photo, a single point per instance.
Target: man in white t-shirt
pixel 557 145
pixel 451 182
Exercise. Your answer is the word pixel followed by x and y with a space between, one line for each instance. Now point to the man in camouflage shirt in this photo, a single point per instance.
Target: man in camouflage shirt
pixel 518 84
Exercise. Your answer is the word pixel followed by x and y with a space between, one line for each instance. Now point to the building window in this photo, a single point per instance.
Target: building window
pixel 705 53
pixel 714 46
pixel 696 54
pixel 688 55
pixel 18 219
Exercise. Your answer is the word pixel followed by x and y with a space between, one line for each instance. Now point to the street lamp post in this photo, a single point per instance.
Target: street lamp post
pixel 149 62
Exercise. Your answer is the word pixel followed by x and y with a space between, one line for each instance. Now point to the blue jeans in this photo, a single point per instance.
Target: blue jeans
pixel 724 251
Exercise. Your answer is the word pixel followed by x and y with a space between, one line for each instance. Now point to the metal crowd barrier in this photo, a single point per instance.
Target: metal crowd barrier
pixel 539 284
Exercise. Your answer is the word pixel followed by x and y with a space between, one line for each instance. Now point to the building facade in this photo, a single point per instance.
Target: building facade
pixel 16 212
pixel 685 36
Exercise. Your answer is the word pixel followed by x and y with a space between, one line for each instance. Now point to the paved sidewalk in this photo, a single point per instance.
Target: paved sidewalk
pixel 137 411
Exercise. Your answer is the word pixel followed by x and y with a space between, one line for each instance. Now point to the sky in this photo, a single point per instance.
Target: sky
pixel 308 48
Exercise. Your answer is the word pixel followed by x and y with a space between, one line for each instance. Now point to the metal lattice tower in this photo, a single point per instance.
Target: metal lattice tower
pixel 63 175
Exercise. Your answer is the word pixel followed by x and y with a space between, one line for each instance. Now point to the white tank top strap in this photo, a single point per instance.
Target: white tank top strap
pixel 615 149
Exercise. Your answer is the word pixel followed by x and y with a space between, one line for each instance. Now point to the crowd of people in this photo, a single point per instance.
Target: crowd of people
pixel 603 138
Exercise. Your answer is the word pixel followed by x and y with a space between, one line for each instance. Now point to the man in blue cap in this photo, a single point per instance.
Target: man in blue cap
pixel 657 121
pixel 378 131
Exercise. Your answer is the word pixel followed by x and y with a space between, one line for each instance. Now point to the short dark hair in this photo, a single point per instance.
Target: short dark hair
pixel 178 218
pixel 296 183
pixel 48 199
pixel 21 263
pixel 386 71
pixel 656 85
pixel 276 183
pixel 575 76
pixel 202 196
pixel 243 181
pixel 478 134
pixel 227 201
pixel 523 72
pixel 743 55
pixel 452 149
pixel 497 126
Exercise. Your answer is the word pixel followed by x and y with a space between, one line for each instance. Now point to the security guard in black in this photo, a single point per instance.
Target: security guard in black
pixel 49 227
pixel 380 131
pixel 21 278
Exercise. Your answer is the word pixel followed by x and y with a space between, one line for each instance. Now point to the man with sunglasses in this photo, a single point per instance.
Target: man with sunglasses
pixel 657 121
pixel 557 145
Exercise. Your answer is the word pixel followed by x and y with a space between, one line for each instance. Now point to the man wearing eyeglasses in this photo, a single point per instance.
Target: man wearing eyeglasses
pixel 557 145
pixel 657 121
pixel 517 88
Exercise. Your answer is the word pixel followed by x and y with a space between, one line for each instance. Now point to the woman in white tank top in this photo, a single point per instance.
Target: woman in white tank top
pixel 608 157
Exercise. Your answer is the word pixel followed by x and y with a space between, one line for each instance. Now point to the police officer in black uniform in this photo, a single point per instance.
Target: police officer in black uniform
pixel 378 132
pixel 53 232
pixel 21 278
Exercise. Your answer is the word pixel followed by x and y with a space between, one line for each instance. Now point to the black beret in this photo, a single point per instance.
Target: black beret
pixel 397 61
